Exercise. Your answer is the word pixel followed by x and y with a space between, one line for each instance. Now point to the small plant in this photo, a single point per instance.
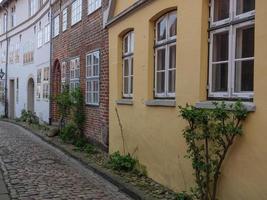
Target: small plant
pixel 29 117
pixel 90 149
pixel 80 143
pixel 68 133
pixel 122 162
pixel 209 136
pixel 184 196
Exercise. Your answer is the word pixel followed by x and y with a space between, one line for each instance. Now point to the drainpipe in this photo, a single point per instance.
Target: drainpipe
pixel 6 70
pixel 51 63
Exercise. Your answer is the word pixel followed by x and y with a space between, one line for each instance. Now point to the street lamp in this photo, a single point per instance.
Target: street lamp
pixel 2 74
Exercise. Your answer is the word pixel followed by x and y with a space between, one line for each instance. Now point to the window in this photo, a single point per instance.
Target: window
pixel 225 11
pixel 56 26
pixel 92 78
pixel 93 5
pixel 33 7
pixel 11 54
pixel 28 51
pixel 17 52
pixel 165 56
pixel 5 23
pixel 63 75
pixel 46 83
pixel 13 16
pixel 47 33
pixel 74 73
pixel 76 11
pixel 39 38
pixel 3 57
pixel 231 62
pixel 64 19
pixel 127 57
pixel 39 82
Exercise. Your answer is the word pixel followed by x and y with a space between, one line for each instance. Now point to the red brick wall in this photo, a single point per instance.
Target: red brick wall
pixel 86 36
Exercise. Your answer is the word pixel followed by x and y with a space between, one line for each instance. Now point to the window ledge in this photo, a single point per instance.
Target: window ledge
pixel 124 102
pixel 251 107
pixel 161 102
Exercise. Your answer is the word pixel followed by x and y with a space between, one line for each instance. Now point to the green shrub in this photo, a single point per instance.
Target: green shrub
pixel 122 163
pixel 80 143
pixel 68 133
pixel 89 149
pixel 184 196
pixel 29 117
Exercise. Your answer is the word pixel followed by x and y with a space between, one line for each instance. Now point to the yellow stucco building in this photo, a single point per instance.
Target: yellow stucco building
pixel 165 53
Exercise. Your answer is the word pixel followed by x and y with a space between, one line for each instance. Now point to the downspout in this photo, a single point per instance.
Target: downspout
pixel 51 63
pixel 6 70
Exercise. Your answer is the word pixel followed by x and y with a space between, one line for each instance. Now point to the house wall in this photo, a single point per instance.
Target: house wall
pixel 86 36
pixel 154 134
pixel 25 30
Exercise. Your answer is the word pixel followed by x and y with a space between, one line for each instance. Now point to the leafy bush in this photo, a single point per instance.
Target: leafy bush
pixel 90 149
pixel 80 143
pixel 184 196
pixel 29 117
pixel 68 133
pixel 209 136
pixel 122 162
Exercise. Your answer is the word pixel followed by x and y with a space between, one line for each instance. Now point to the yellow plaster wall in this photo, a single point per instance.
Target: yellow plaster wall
pixel 122 5
pixel 154 133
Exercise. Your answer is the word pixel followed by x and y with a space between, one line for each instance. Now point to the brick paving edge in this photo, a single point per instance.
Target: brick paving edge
pixel 124 187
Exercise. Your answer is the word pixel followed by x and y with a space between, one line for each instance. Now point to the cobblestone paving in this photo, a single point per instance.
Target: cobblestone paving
pixel 34 170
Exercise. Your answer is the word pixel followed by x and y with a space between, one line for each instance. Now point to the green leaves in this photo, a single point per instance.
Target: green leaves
pixel 209 135
pixel 122 163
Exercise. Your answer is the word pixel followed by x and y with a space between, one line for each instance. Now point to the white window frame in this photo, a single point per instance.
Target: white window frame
pixel 232 14
pixel 56 26
pixel 39 84
pixel 75 70
pixel 164 44
pixel 76 12
pixel 46 33
pixel 231 63
pixel 64 19
pixel 92 78
pixel 93 5
pixel 45 83
pixel 33 7
pixel 128 56
pixel 39 39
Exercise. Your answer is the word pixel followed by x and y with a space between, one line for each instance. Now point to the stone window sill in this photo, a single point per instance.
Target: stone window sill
pixel 124 102
pixel 250 106
pixel 161 103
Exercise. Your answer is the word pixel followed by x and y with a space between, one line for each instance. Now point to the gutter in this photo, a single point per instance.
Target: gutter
pixel 125 12
pixel 51 63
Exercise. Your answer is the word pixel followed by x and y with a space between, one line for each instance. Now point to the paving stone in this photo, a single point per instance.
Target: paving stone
pixel 34 170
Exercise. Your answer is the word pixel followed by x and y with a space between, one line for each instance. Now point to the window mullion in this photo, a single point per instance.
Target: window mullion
pixel 232 61
pixel 166 69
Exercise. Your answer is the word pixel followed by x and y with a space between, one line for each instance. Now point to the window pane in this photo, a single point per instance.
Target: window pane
pixel 126 67
pixel 172 57
pixel 173 24
pixel 244 6
pixel 245 42
pixel 132 64
pixel 125 85
pixel 220 46
pixel 161 29
pixel 172 75
pixel 244 76
pixel 161 57
pixel 131 86
pixel 160 82
pixel 221 10
pixel 125 46
pixel 220 77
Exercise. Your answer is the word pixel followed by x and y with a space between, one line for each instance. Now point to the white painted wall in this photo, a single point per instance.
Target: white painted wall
pixel 27 28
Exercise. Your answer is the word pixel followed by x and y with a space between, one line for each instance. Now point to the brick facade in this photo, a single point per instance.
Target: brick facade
pixel 85 36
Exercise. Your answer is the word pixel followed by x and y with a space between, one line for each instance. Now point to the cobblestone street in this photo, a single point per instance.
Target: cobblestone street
pixel 34 170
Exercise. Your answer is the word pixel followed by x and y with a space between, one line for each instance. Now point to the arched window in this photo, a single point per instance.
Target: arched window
pixel 127 57
pixel 165 55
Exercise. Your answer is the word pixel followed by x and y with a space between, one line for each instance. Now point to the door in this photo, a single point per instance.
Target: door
pixel 30 101
pixel 11 99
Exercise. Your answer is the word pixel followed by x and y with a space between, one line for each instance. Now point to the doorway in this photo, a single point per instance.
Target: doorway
pixel 11 99
pixel 30 101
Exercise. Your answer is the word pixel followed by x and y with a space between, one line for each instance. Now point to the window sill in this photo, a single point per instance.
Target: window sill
pixel 124 102
pixel 251 107
pixel 161 103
